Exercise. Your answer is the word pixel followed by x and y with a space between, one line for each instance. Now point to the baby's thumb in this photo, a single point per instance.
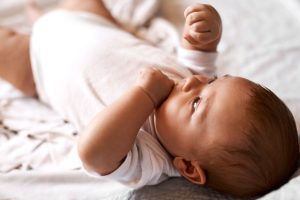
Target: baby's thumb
pixel 189 38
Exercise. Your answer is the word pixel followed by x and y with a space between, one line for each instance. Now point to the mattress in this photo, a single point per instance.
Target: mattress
pixel 38 158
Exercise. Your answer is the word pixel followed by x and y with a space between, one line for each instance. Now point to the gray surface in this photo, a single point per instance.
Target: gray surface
pixel 76 185
pixel 176 189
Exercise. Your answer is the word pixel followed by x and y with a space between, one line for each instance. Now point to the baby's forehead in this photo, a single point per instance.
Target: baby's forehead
pixel 237 81
pixel 232 95
pixel 234 86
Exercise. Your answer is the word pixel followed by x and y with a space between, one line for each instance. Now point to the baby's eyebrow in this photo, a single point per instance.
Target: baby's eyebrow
pixel 222 77
pixel 212 79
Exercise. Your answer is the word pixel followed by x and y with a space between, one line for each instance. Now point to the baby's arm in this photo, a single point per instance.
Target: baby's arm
pixel 203 28
pixel 111 134
pixel 200 38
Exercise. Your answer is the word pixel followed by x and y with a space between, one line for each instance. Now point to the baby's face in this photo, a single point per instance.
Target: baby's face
pixel 200 112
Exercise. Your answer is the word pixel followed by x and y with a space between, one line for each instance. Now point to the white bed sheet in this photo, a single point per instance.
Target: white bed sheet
pixel 260 41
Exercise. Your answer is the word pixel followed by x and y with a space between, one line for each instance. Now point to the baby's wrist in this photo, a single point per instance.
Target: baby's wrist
pixel 148 96
pixel 210 47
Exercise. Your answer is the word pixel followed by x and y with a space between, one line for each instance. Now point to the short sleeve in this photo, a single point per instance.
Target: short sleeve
pixel 146 164
pixel 199 62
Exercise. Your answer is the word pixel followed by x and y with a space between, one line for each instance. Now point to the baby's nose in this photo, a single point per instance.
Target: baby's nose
pixel 194 82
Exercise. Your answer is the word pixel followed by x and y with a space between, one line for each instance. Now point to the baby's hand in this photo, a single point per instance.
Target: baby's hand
pixel 155 84
pixel 203 28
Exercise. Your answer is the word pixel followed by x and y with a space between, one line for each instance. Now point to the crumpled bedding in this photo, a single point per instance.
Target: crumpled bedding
pixel 37 147
pixel 32 135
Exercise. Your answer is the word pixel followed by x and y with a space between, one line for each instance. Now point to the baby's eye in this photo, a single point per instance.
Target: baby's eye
pixel 195 103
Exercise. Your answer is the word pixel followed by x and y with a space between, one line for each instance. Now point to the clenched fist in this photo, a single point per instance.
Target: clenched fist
pixel 155 84
pixel 203 28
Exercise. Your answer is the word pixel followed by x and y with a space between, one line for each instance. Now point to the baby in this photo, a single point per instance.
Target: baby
pixel 227 133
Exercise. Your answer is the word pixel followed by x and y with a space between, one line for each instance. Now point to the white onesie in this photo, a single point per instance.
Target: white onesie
pixel 82 63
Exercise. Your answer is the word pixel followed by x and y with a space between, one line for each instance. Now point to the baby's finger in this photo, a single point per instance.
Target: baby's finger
pixel 190 39
pixel 196 16
pixel 170 83
pixel 201 26
pixel 214 12
pixel 201 38
pixel 203 78
pixel 154 69
pixel 195 8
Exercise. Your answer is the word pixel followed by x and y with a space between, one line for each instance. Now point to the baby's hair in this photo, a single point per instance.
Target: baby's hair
pixel 267 156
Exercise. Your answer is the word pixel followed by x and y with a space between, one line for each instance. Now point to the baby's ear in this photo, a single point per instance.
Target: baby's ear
pixel 191 170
